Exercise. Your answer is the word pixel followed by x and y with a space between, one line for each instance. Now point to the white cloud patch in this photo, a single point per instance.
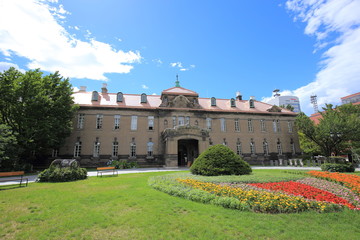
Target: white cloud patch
pixel 181 67
pixel 144 86
pixel 340 72
pixel 31 29
pixel 6 65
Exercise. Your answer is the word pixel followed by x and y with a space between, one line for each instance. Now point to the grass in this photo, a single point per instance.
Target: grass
pixel 125 207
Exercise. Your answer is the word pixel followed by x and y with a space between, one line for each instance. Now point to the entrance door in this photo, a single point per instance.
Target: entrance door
pixel 188 151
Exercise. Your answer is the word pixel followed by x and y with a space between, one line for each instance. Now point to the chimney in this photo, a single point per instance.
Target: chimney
pixel 82 89
pixel 238 96
pixel 104 89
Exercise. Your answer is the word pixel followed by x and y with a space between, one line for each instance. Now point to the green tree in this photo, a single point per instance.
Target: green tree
pixel 288 107
pixel 8 148
pixel 336 130
pixel 38 108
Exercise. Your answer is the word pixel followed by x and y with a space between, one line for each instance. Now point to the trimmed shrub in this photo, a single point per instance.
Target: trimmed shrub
pixel 219 160
pixel 122 164
pixel 337 167
pixel 66 174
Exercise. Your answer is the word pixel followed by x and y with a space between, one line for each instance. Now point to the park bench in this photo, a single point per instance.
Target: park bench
pixel 14 174
pixel 101 170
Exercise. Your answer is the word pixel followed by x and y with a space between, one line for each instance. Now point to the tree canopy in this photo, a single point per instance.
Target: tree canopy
pixel 336 131
pixel 38 108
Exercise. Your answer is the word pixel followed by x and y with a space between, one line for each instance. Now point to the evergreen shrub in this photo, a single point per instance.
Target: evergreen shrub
pixel 337 167
pixel 57 173
pixel 219 160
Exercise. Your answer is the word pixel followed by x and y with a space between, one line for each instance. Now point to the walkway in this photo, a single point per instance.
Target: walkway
pixel 32 178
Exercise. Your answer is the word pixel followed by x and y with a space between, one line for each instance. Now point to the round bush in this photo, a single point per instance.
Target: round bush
pixel 67 174
pixel 220 160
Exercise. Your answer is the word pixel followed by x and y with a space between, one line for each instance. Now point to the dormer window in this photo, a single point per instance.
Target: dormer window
pixel 213 101
pixel 119 97
pixel 232 102
pixel 143 98
pixel 251 103
pixel 95 96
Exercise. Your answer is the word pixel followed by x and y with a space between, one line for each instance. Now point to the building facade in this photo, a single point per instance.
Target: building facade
pixel 286 100
pixel 173 128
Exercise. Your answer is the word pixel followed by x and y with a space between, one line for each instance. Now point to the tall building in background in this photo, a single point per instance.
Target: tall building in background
pixel 285 100
pixel 353 98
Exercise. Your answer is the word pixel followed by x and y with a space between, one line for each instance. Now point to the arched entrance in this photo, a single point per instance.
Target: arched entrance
pixel 188 151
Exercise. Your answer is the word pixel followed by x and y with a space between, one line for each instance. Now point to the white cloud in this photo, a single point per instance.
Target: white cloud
pixel 181 67
pixel 31 30
pixel 176 64
pixel 144 86
pixel 75 89
pixel 6 65
pixel 340 72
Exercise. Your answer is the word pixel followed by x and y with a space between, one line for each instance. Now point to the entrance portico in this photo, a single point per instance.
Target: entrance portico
pixel 183 144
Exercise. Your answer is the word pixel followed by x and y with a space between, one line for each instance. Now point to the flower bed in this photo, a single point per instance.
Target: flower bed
pixel 349 180
pixel 334 188
pixel 304 190
pixel 262 201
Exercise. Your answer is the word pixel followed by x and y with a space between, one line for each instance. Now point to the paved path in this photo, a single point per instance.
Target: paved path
pixel 32 178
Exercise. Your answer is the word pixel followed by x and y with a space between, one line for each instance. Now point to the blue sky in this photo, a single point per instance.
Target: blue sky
pixel 216 47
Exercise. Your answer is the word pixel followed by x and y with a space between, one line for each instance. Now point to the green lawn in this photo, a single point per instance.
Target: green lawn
pixel 125 207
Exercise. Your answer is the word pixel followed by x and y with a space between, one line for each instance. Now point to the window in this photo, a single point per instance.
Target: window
pixel 213 101
pixel 95 96
pixel 279 147
pixel 262 125
pixel 55 152
pixel 293 150
pixel 115 148
pixel 174 121
pixel 99 121
pixel 80 122
pixel 143 98
pixel 266 148
pixel 119 97
pixel 223 124
pixel 181 121
pixel 134 123
pixel 116 121
pixel 224 142
pixel 252 147
pixel 237 126
pixel 274 126
pixel 208 123
pixel 290 126
pixel 187 120
pixel 133 148
pixel 232 102
pixel 77 148
pixel 150 146
pixel 250 125
pixel 151 122
pixel 278 125
pixel 251 103
pixel 96 152
pixel 238 147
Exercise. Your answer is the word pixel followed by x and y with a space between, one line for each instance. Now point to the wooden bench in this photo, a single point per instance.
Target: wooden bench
pixel 12 174
pixel 101 170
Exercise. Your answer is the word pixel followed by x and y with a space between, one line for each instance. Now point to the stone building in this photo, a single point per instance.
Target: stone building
pixel 174 128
